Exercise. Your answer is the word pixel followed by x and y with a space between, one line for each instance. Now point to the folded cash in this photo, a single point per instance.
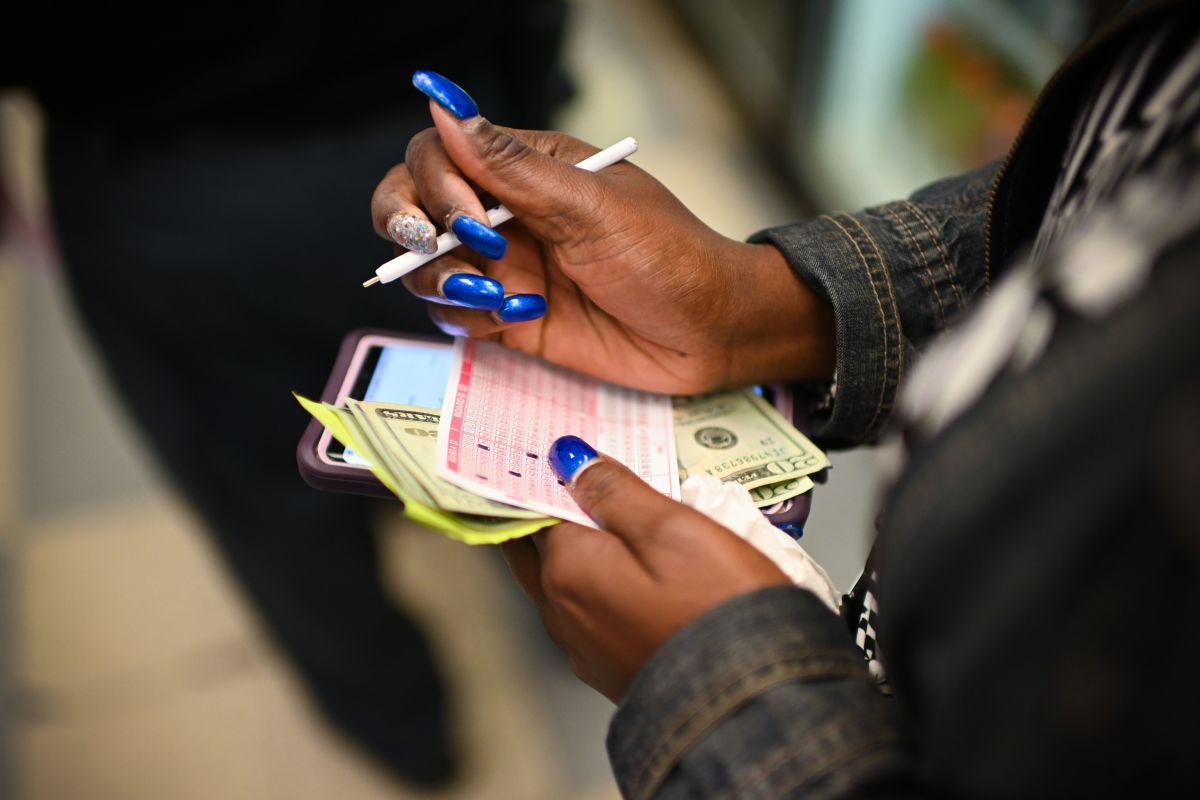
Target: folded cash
pixel 740 437
pixel 734 436
pixel 407 437
pixel 419 504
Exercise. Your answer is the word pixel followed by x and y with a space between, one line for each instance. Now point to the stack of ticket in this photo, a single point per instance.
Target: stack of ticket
pixel 476 469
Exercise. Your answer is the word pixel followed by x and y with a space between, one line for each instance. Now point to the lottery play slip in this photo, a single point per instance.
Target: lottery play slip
pixel 503 409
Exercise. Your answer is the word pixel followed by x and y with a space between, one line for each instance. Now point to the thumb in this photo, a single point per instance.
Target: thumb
pixel 532 172
pixel 618 500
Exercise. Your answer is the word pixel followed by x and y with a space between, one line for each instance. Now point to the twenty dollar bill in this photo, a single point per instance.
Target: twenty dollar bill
pixel 740 437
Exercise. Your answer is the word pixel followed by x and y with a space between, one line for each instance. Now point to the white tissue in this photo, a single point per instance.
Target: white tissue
pixel 730 505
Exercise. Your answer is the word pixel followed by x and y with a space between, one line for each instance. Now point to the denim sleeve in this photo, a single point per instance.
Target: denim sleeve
pixel 765 696
pixel 896 275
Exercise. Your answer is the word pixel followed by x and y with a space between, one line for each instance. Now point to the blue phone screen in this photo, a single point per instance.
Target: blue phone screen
pixel 407 374
pixel 410 375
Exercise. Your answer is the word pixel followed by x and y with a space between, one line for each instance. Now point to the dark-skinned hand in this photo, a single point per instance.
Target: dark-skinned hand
pixel 611 597
pixel 637 290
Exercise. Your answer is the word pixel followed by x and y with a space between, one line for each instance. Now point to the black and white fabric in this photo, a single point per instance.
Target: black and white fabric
pixel 1128 189
pixel 860 610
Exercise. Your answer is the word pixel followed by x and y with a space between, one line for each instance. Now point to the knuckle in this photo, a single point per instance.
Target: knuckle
pixel 417 145
pixel 387 197
pixel 500 148
pixel 397 175
pixel 577 216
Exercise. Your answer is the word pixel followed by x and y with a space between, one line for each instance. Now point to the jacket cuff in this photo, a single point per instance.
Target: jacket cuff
pixel 715 666
pixel 838 258
pixel 895 275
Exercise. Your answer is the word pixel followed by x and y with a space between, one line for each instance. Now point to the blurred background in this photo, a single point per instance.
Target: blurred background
pixel 130 664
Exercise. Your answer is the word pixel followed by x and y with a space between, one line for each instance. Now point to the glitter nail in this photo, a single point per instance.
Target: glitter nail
pixel 412 232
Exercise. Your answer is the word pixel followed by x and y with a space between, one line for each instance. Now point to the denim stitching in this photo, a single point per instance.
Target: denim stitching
pixel 867 734
pixel 751 681
pixel 882 318
pixel 865 745
pixel 889 361
pixel 676 744
pixel 948 262
pixel 891 287
pixel 933 285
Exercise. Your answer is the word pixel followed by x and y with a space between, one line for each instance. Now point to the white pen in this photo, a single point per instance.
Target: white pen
pixel 402 265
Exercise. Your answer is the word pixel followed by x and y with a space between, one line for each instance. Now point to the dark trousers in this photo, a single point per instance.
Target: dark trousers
pixel 216 271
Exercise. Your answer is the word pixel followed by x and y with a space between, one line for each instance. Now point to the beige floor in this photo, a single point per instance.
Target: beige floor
pixel 132 667
pixel 138 681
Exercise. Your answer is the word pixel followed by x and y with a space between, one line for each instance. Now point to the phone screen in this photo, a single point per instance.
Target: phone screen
pixel 413 375
pixel 404 373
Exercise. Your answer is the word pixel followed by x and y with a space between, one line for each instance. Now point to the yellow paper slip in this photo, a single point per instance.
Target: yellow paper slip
pixel 456 526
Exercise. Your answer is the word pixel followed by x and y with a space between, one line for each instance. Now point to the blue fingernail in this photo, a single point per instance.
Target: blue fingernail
pixel 568 454
pixel 791 529
pixel 473 291
pixel 479 237
pixel 522 308
pixel 446 93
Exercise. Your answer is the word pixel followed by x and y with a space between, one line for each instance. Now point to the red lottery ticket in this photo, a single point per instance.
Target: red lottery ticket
pixel 504 408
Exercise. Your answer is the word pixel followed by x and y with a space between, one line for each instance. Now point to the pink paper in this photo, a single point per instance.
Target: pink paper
pixel 504 408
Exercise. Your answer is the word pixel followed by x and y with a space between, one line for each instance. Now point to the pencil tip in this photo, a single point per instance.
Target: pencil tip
pixel 371 282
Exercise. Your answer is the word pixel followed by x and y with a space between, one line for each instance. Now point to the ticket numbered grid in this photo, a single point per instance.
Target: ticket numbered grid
pixel 503 409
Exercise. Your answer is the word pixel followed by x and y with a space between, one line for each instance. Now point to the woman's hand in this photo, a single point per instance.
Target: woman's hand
pixel 637 290
pixel 611 597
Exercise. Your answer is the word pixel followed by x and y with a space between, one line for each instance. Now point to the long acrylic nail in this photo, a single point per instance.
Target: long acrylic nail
pixel 569 455
pixel 473 291
pixel 413 232
pixel 522 308
pixel 479 237
pixel 446 93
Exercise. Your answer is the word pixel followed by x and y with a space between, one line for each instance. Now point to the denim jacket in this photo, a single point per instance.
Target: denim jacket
pixel 1038 557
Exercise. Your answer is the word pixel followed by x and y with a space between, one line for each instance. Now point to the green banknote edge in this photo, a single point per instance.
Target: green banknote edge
pixel 451 525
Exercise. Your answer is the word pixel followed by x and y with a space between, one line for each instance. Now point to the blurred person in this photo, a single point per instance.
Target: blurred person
pixel 1028 332
pixel 203 178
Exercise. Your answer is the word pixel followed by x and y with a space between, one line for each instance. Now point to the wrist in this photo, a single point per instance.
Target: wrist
pixel 775 328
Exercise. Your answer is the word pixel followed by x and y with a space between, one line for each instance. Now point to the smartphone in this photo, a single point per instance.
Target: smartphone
pixel 372 365
pixel 410 369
